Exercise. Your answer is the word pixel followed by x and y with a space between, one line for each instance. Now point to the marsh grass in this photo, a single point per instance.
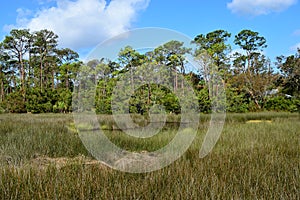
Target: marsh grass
pixel 25 136
pixel 41 158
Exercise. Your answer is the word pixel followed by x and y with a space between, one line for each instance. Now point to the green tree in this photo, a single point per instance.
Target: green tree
pixel 68 67
pixel 130 59
pixel 104 71
pixel 252 43
pixel 214 44
pixel 172 55
pixel 44 47
pixel 4 57
pixel 252 70
pixel 290 73
pixel 17 46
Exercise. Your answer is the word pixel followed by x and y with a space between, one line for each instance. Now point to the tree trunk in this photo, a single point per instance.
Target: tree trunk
pixel 67 82
pixel 255 99
pixel 176 80
pixel 131 77
pixel 41 74
pixel 53 82
pixel 22 73
pixel 149 93
pixel 2 91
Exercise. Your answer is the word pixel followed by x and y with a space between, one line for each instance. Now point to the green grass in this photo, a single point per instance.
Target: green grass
pixel 250 161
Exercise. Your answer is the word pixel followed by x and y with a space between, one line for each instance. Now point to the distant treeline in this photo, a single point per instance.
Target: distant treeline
pixel 36 76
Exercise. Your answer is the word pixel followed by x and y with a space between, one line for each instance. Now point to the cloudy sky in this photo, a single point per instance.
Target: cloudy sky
pixel 82 24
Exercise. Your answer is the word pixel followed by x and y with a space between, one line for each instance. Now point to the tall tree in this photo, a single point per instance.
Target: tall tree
pixel 4 57
pixel 290 73
pixel 130 59
pixel 68 60
pixel 252 43
pixel 172 55
pixel 44 47
pixel 253 72
pixel 17 45
pixel 214 43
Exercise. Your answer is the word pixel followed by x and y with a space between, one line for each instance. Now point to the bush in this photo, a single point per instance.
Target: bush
pixel 281 103
pixel 2 110
pixel 235 102
pixel 204 101
pixel 15 103
pixel 39 101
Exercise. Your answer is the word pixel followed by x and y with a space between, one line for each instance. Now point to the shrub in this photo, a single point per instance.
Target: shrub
pixel 15 103
pixel 281 103
pixel 2 110
pixel 236 102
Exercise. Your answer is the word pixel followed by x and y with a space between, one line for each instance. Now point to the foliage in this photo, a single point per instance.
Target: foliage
pixel 214 43
pixel 290 73
pixel 281 103
pixel 236 102
pixel 252 71
pixel 204 101
pixel 36 76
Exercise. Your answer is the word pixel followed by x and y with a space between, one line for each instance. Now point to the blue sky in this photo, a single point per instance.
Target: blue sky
pixel 82 24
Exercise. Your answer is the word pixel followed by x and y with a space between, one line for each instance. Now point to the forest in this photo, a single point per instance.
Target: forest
pixel 36 76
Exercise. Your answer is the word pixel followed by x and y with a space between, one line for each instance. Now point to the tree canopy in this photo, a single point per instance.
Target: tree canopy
pixel 36 76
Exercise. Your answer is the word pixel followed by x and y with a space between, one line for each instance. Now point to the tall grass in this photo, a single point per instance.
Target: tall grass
pixel 250 161
pixel 25 136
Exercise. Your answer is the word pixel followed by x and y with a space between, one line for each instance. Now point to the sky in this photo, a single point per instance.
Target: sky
pixel 83 24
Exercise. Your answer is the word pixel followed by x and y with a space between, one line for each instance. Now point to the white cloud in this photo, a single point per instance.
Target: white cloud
pixel 21 19
pixel 84 23
pixel 259 7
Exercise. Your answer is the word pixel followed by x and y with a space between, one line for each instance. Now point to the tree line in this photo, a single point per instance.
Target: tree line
pixel 36 76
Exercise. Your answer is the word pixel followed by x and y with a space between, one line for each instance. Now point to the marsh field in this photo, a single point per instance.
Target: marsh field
pixel 256 157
